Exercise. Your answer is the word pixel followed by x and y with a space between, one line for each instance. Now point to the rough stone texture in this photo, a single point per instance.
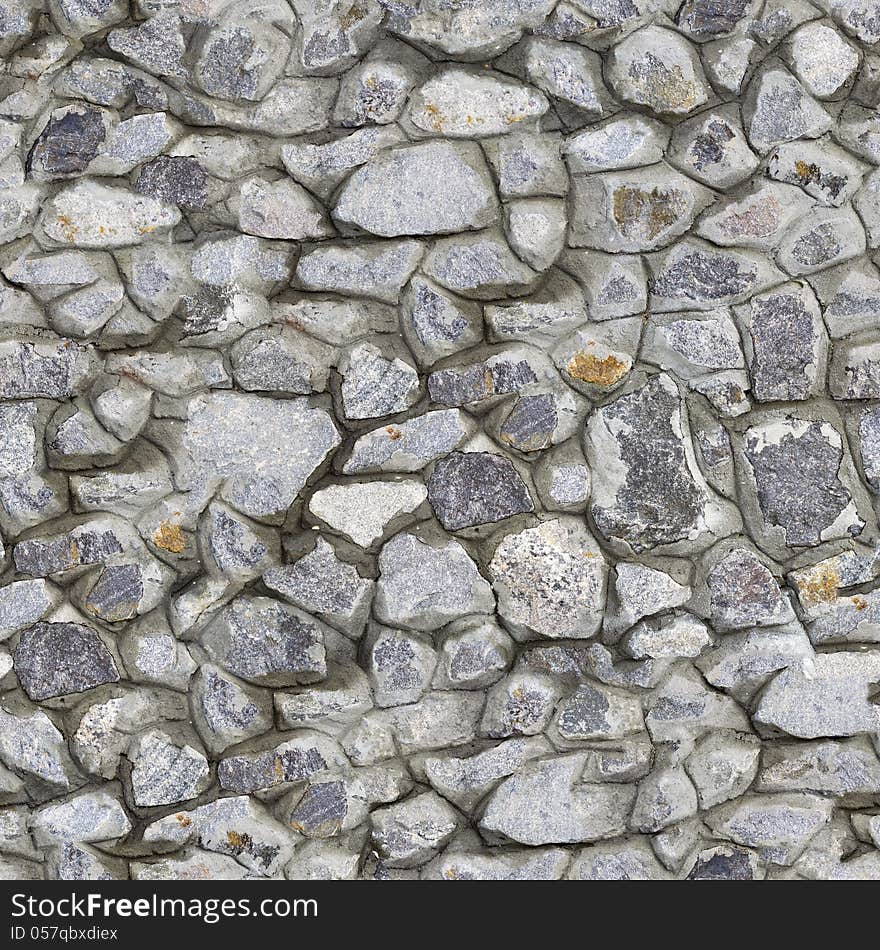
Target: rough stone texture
pixel 439 439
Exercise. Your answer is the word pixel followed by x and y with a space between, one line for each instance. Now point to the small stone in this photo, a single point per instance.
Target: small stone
pixel 266 643
pixel 673 84
pixel 640 591
pixel 789 345
pixel 743 662
pixel 439 720
pixel 374 386
pixel 56 659
pixel 704 19
pixel 653 496
pixel 521 704
pixel 461 103
pixel 428 188
pixel 278 209
pixel 412 832
pixel 526 864
pixel 241 61
pixel 332 705
pixel 409 446
pixel 474 488
pixel 725 863
pixel 841 768
pixel 239 441
pixel 479 265
pixel 23 603
pixel 638 210
pixel 546 803
pixel 466 780
pixel 226 711
pixel 85 818
pixel 323 584
pixel 550 580
pixel 778 109
pixel 296 760
pixel 594 711
pixel 744 593
pixel 779 827
pixel 68 143
pixel 32 746
pixel 666 797
pixel 475 653
pixel 527 164
pixel 621 142
pixel 363 510
pixel 400 665
pixel 723 766
pixel 423 586
pixel 822 59
pixel 90 215
pixel 694 275
pixel 789 459
pixel 164 771
pixel 713 149
pixel 175 180
pixel 566 72
pixel 376 269
pixel 825 695
pixel 822 238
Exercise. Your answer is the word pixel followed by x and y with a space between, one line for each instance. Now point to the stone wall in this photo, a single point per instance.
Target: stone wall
pixel 440 438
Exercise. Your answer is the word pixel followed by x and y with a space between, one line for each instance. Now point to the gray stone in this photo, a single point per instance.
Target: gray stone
pixel 412 832
pixel 400 665
pixel 475 488
pixel 164 771
pixel 654 496
pixel 778 109
pixel 323 584
pixel 428 188
pixel 462 103
pixel 226 711
pixel 673 84
pixel 779 827
pixel 422 585
pixel 239 442
pixel 266 643
pixel 377 269
pixel 825 695
pixel 56 659
pixel 546 802
pixel 550 580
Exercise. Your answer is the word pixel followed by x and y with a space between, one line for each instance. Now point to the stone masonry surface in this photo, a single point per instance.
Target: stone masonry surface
pixel 439 439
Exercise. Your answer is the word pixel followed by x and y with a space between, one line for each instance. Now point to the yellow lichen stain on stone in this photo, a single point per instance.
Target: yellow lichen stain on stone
pixel 807 171
pixel 821 587
pixel 435 118
pixel 393 433
pixel 237 841
pixel 598 371
pixel 169 537
pixel 183 820
pixel 860 603
pixel 69 228
pixel 673 89
pixel 355 14
pixel 655 210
